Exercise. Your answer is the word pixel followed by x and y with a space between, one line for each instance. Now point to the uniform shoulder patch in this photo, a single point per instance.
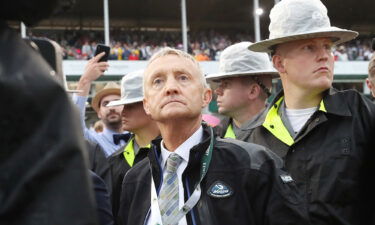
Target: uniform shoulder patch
pixel 219 189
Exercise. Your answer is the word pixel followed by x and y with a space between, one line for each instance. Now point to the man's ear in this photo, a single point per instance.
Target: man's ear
pixel 146 107
pixel 207 96
pixel 254 91
pixel 369 85
pixel 278 63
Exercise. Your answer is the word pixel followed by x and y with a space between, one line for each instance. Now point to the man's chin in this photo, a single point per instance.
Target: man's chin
pixel 113 122
pixel 177 116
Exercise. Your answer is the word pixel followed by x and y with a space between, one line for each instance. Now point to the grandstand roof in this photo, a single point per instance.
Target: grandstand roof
pixel 202 14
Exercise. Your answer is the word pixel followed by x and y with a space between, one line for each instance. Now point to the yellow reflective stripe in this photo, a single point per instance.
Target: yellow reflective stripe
pixel 230 133
pixel 322 107
pixel 274 124
pixel 129 152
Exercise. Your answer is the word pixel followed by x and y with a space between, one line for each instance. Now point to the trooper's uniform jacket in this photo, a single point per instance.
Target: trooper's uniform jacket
pixel 253 190
pixel 119 165
pixel 325 157
pixel 225 128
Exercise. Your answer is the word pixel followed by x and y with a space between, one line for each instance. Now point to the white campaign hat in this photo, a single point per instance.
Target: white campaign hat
pixel 300 19
pixel 237 60
pixel 131 89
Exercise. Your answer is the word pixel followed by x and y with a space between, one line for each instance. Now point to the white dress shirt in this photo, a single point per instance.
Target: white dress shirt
pixel 183 151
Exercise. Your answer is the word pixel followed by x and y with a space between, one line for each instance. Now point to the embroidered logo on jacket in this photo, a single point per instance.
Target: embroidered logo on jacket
pixel 286 178
pixel 220 190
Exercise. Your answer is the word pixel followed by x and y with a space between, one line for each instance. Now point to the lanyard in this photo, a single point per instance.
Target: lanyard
pixel 194 198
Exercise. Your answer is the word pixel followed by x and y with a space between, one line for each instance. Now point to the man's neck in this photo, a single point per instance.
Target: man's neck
pixel 174 133
pixel 144 136
pixel 302 99
pixel 241 117
pixel 115 129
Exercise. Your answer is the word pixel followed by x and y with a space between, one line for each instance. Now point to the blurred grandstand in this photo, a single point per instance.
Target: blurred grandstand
pixel 138 28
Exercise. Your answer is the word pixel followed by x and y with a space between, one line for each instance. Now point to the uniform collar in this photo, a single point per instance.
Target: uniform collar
pixel 332 103
pixel 335 103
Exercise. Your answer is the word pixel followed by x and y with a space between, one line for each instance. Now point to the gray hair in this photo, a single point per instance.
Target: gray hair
pixel 171 51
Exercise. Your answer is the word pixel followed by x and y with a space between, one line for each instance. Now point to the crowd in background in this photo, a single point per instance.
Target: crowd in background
pixel 204 45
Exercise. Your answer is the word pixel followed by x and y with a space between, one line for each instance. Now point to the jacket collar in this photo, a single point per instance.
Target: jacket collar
pixel 332 103
pixel 336 103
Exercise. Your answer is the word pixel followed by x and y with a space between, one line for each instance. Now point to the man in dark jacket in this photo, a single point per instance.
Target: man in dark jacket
pixel 321 133
pixel 43 176
pixel 242 87
pixel 189 176
pixel 142 127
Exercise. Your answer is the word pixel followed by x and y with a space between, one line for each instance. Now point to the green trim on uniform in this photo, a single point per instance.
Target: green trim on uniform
pixel 275 125
pixel 129 152
pixel 230 133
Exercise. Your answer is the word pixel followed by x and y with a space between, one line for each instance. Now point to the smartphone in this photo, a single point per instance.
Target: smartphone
pixel 102 48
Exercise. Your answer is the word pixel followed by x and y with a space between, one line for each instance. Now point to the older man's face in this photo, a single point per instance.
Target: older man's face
pixel 306 64
pixel 174 90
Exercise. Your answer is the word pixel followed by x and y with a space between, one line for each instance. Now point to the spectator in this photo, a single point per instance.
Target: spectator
pixel 110 116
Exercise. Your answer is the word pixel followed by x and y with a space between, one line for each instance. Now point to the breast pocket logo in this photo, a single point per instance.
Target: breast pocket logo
pixel 220 190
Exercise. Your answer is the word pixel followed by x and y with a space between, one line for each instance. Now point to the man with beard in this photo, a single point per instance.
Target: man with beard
pixel 112 138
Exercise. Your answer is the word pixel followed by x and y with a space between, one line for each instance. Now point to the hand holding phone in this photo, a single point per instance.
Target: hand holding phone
pixel 102 48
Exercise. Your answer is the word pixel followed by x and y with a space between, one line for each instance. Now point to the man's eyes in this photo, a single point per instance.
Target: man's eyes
pixel 183 77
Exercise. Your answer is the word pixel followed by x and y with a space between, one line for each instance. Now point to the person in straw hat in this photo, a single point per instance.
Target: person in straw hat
pixel 142 127
pixel 321 133
pixel 112 137
pixel 243 85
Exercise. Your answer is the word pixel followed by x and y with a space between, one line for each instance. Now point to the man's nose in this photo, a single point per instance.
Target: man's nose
pixel 171 86
pixel 219 90
pixel 324 53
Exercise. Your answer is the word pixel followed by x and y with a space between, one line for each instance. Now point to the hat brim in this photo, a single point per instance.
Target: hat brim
pixel 125 101
pixel 338 36
pixel 212 77
pixel 96 100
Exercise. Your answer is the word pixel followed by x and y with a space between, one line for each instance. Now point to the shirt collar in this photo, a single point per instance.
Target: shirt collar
pixel 184 149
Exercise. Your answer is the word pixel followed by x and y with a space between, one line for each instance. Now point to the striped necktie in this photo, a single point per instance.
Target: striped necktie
pixel 168 198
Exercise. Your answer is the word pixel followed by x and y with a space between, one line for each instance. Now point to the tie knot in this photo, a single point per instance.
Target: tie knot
pixel 173 162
